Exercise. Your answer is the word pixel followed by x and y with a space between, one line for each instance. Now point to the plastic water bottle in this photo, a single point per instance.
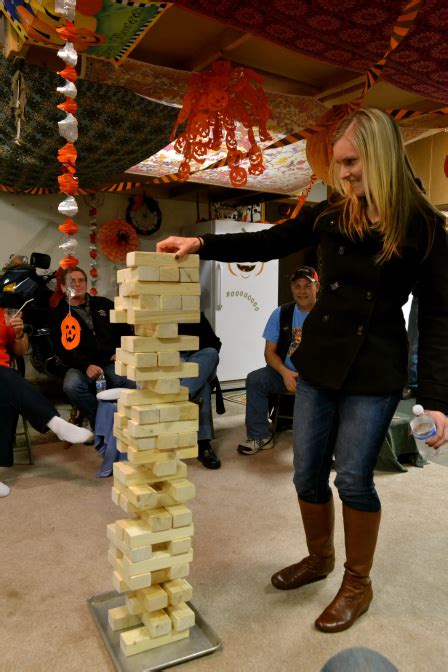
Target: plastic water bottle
pixel 100 383
pixel 423 428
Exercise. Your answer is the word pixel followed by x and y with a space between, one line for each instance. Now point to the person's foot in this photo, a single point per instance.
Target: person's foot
pixel 207 455
pixel 252 446
pixel 65 431
pixel 5 490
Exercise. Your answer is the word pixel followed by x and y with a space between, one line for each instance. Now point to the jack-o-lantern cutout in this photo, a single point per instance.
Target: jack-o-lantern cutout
pixel 70 332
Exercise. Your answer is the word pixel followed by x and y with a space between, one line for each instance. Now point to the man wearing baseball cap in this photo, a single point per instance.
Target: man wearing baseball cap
pixel 283 333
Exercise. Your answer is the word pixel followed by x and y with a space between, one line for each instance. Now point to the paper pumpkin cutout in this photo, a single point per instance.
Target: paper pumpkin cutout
pixel 70 332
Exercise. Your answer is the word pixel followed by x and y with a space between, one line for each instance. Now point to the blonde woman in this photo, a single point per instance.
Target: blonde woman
pixel 377 236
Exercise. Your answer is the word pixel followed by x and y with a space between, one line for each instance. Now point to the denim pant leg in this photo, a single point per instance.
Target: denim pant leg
pixel 413 344
pixel 315 427
pixel 357 659
pixel 114 380
pixel 81 392
pixel 363 424
pixel 260 384
pixel 199 387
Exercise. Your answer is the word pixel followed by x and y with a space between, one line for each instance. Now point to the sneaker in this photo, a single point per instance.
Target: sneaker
pixel 4 490
pixel 207 455
pixel 253 446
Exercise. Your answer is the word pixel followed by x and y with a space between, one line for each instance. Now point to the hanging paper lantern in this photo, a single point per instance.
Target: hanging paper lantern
pixel 70 332
pixel 117 238
pixel 214 103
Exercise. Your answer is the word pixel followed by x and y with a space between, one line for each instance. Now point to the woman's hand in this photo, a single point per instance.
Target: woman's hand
pixel 17 324
pixel 179 245
pixel 442 429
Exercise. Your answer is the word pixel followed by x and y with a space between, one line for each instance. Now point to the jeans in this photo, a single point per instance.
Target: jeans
pixel 81 390
pixel 358 659
pixel 349 427
pixel 18 396
pixel 105 441
pixel 199 387
pixel 260 384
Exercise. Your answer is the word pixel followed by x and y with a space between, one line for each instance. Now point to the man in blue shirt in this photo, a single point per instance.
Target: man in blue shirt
pixel 283 333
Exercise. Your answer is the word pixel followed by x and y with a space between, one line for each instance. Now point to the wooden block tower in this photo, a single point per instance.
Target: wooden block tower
pixel 150 552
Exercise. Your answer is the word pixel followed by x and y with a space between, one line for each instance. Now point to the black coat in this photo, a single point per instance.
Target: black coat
pixel 355 338
pixel 95 347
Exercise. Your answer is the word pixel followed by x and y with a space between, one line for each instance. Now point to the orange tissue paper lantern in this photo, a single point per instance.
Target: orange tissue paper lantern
pixel 69 261
pixel 69 105
pixel 69 227
pixel 69 73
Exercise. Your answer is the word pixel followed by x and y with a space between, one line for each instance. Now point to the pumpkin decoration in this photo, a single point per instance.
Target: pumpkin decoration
pixel 70 332
pixel 214 103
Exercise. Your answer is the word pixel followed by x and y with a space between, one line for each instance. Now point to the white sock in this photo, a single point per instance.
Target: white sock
pixel 4 490
pixel 110 395
pixel 65 431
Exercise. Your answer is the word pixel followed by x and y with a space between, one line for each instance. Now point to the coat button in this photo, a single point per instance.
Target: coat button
pixel 360 330
pixel 334 286
pixel 369 296
pixel 325 318
pixel 341 249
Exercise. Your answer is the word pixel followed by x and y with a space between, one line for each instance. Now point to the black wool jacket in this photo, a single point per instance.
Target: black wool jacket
pixel 355 339
pixel 95 347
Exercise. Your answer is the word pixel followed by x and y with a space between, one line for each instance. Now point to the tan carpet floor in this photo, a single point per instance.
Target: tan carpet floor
pixel 53 557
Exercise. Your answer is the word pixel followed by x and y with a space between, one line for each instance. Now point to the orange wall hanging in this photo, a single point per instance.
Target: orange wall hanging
pixel 70 332
pixel 213 105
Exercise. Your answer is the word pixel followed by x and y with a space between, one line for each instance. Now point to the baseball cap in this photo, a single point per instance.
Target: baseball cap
pixel 306 272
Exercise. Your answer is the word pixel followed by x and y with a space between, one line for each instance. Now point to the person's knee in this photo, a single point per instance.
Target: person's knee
pixel 358 659
pixel 74 381
pixel 258 379
pixel 357 493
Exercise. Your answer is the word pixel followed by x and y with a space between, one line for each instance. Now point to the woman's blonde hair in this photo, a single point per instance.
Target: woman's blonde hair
pixel 389 184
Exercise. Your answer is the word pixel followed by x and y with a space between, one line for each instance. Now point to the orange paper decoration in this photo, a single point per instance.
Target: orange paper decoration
pixel 117 238
pixel 69 73
pixel 69 261
pixel 319 149
pixel 214 103
pixel 68 184
pixel 69 227
pixel 69 105
pixel 70 332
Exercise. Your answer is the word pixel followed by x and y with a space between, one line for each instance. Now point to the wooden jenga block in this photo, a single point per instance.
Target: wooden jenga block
pixel 154 597
pixel 181 615
pixel 158 520
pixel 120 618
pixel 168 468
pixel 136 288
pixel 139 431
pixel 162 386
pixel 119 583
pixel 190 302
pixel 134 603
pixel 138 359
pixel 181 515
pixel 118 316
pixel 186 439
pixel 176 572
pixel 149 396
pixel 120 369
pixel 171 302
pixel 152 344
pixel 157 330
pixel 167 442
pixel 139 534
pixel 169 274
pixel 150 456
pixel 159 560
pixel 137 316
pixel 180 489
pixel 178 591
pixel 163 374
pixel 144 274
pixel 159 259
pixel 145 443
pixel 189 274
pixel 138 640
pixel 120 420
pixel 145 415
pixel 168 358
pixel 179 546
pixel 158 623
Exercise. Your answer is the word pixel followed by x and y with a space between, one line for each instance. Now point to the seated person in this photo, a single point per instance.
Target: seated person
pixel 18 396
pixel 207 357
pixel 283 333
pixel 95 354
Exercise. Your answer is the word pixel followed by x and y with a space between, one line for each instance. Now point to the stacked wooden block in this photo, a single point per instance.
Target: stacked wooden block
pixel 156 426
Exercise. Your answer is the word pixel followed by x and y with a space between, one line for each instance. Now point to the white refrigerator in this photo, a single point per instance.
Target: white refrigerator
pixel 237 299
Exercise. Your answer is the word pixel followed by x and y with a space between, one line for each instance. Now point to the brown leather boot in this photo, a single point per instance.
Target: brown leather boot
pixel 318 521
pixel 355 594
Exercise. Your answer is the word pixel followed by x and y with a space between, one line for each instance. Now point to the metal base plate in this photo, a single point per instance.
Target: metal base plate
pixel 201 642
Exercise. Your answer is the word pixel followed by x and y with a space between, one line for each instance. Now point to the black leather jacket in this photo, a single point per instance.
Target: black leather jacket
pixel 355 338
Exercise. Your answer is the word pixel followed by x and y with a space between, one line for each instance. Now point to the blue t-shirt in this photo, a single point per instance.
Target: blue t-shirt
pixel 272 331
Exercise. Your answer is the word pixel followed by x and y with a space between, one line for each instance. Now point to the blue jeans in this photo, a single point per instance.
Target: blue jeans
pixel 199 387
pixel 81 390
pixel 358 659
pixel 349 427
pixel 260 384
pixel 413 344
